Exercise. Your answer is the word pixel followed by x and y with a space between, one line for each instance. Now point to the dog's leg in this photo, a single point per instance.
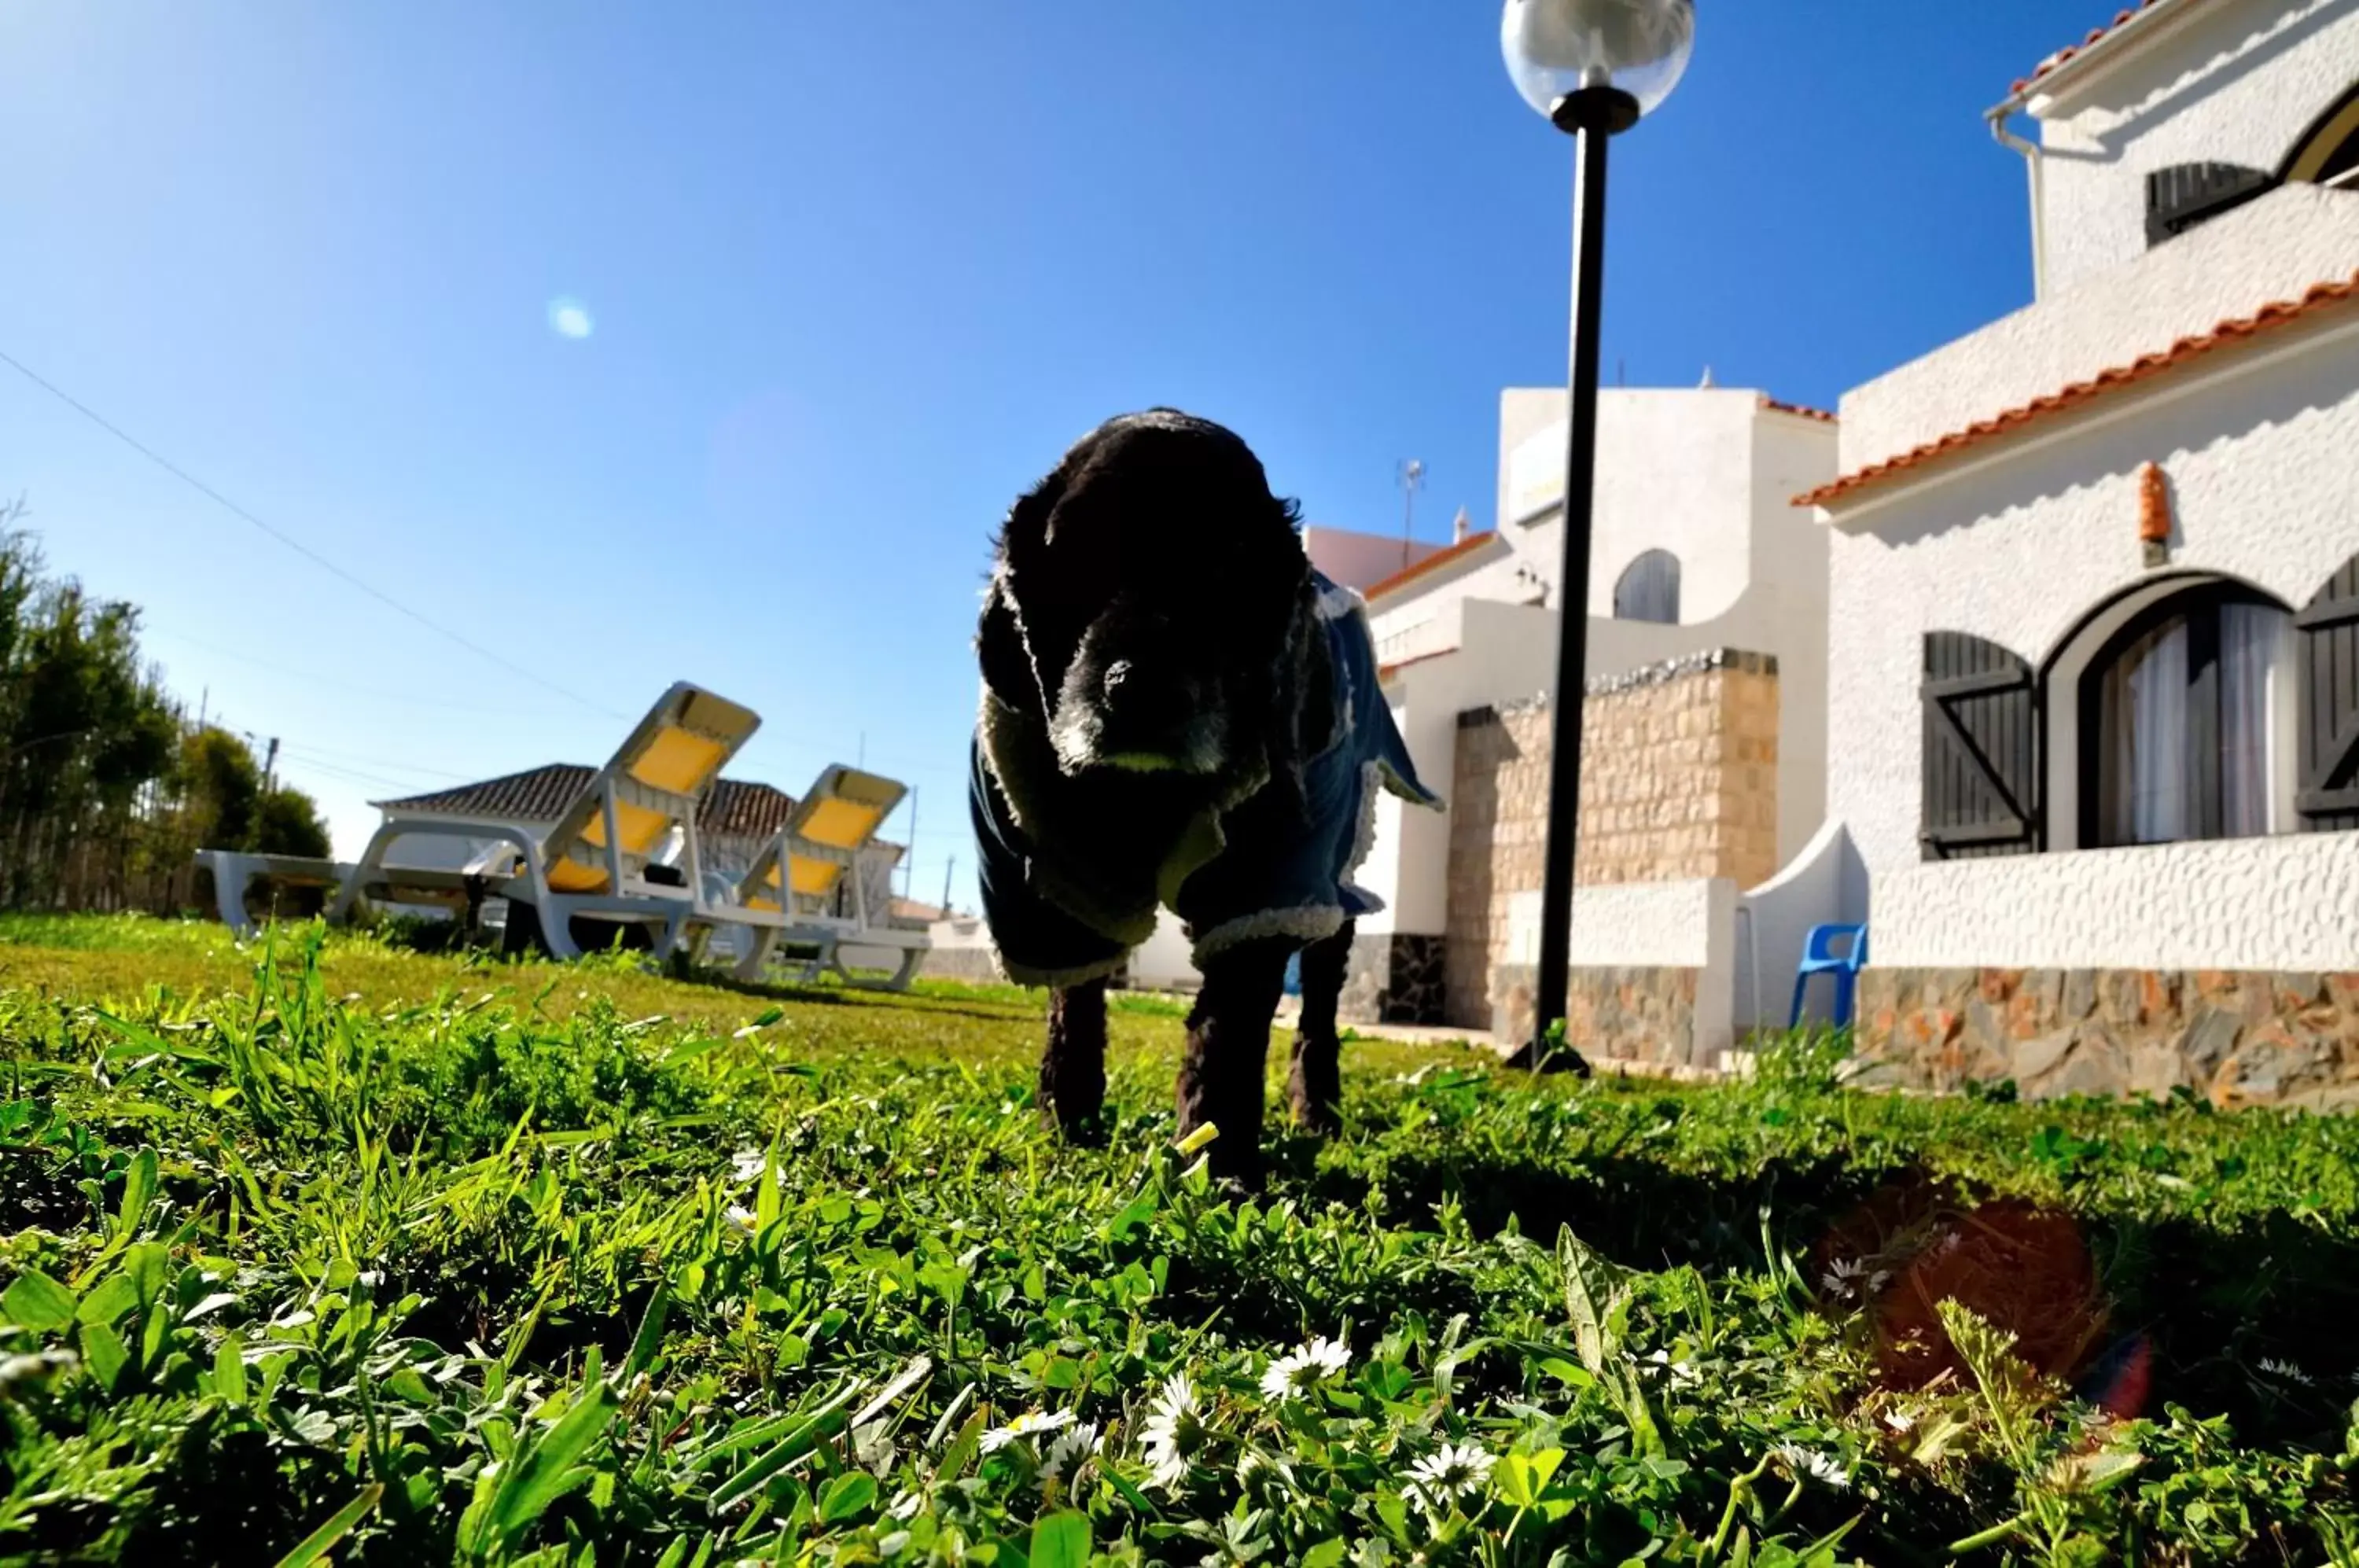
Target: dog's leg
pixel 1228 1055
pixel 1315 1086
pixel 1072 1068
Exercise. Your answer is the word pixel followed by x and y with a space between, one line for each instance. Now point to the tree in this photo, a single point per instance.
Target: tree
pixel 105 789
pixel 286 822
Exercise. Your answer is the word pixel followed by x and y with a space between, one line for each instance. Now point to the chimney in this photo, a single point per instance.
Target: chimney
pixel 1460 527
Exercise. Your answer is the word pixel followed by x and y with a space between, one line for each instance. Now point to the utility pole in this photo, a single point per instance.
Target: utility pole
pixel 909 864
pixel 1411 478
pixel 946 886
pixel 269 762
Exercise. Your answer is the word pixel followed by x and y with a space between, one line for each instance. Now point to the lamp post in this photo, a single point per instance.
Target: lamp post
pixel 1593 67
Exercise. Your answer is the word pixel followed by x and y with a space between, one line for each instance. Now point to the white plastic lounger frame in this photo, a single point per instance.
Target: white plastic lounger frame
pixel 830 827
pixel 593 861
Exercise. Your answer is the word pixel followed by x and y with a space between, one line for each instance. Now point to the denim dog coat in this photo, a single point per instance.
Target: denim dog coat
pixel 1259 870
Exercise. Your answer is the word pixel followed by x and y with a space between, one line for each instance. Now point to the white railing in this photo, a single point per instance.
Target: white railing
pixel 1435 633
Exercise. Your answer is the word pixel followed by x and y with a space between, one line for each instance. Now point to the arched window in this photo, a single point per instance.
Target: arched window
pixel 1648 588
pixel 2186 717
pixel 2328 153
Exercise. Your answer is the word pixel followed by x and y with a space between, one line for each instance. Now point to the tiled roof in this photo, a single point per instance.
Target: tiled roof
pixel 1803 409
pixel 2074 51
pixel 1434 562
pixel 535 795
pixel 743 808
pixel 2236 329
pixel 736 806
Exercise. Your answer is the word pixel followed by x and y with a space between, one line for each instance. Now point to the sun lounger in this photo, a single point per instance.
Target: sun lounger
pixel 595 861
pixel 804 898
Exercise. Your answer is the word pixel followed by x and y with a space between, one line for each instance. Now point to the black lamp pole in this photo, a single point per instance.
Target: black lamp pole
pixel 1592 116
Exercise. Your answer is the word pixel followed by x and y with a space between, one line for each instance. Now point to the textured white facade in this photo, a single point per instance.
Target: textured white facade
pixel 2289 902
pixel 2031 538
pixel 2237 82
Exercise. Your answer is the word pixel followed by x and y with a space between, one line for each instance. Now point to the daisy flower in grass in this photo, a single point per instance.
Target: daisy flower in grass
pixel 1293 1376
pixel 1072 1449
pixel 1026 1428
pixel 1822 1468
pixel 1447 1473
pixel 1174 1432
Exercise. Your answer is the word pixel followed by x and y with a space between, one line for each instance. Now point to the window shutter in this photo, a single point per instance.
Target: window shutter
pixel 2179 197
pixel 2327 655
pixel 1981 750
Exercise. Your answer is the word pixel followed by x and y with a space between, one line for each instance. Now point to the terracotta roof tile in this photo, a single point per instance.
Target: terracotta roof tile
pixel 1803 409
pixel 1439 559
pixel 2072 50
pixel 1386 671
pixel 736 807
pixel 2235 330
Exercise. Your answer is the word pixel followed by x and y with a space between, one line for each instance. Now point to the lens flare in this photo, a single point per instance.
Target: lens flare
pixel 570 319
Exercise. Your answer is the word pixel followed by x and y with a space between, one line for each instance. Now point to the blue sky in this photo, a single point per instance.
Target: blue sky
pixel 854 275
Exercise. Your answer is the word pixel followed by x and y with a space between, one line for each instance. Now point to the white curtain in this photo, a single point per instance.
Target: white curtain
pixel 2145 766
pixel 2253 639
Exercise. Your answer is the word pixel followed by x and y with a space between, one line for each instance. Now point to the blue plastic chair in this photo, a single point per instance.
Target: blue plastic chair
pixel 1819 957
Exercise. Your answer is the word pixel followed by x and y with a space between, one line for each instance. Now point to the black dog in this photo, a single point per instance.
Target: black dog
pixel 1177 710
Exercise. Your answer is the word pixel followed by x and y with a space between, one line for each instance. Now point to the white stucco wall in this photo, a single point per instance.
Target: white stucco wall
pixel 2221 83
pixel 2271 248
pixel 2261 447
pixel 2286 903
pixel 1675 472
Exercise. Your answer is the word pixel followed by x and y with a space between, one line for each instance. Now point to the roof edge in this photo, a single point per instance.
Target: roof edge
pixel 2227 333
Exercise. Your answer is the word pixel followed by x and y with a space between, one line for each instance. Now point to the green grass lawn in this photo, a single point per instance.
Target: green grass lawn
pixel 317 1250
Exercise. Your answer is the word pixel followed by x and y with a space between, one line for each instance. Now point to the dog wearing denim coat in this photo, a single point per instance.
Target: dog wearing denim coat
pixel 1177 711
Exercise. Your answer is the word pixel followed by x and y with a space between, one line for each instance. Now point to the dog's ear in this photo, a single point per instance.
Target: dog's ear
pixel 999 646
pixel 1008 667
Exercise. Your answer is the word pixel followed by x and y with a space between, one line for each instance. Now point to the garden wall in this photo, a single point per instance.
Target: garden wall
pixel 1678 786
pixel 2238 1037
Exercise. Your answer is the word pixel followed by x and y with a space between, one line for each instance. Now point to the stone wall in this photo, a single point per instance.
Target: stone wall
pixel 1679 779
pixel 2236 1037
pixel 1393 978
pixel 1637 1014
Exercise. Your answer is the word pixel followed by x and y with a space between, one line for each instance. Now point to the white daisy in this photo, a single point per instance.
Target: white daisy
pixel 1820 1468
pixel 739 1218
pixel 1291 1377
pixel 1026 1428
pixel 1174 1432
pixel 1449 1472
pixel 1070 1451
pixel 907 1506
pixel 1678 1371
pixel 746 1164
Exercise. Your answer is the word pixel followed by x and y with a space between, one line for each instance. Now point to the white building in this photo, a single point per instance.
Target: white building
pixel 2095 597
pixel 1698 550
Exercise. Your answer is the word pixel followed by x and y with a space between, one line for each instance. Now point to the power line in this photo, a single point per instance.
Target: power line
pixel 329 683
pixel 313 556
